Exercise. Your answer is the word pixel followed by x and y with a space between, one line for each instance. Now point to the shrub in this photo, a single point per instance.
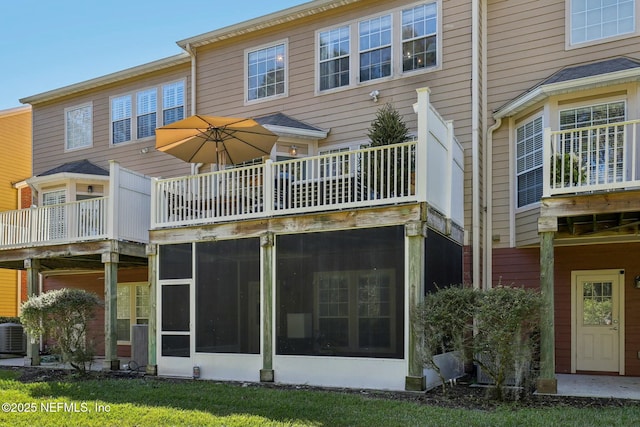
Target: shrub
pixel 64 316
pixel 9 319
pixel 497 329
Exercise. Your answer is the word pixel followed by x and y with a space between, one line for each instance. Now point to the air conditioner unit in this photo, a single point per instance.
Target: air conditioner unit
pixel 12 339
pixel 140 345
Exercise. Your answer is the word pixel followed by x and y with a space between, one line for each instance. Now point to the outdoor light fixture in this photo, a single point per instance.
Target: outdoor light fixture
pixel 636 282
pixel 293 150
pixel 374 94
pixel 90 188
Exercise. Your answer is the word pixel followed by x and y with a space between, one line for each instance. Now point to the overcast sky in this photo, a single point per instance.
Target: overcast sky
pixel 47 44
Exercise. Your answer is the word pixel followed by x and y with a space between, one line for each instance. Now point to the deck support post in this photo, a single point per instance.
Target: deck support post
pixel 266 243
pixel 110 261
pixel 415 249
pixel 547 382
pixel 33 289
pixel 152 256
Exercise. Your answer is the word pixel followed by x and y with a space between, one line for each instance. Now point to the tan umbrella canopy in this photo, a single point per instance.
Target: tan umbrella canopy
pixel 209 139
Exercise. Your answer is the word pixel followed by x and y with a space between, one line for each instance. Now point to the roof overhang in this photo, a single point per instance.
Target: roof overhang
pixel 38 182
pixel 161 64
pixel 544 91
pixel 297 132
pixel 283 16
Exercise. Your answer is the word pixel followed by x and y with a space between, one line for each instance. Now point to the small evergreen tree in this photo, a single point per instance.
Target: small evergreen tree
pixel 64 316
pixel 388 171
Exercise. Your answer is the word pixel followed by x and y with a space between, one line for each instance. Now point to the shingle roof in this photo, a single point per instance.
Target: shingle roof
pixel 592 69
pixel 280 119
pixel 80 166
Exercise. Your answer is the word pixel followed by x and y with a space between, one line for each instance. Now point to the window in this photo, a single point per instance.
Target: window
pixel 173 102
pixel 121 119
pixel 132 308
pixel 266 72
pixel 146 109
pixel 375 48
pixel 595 20
pixel 419 27
pixel 529 145
pixel 601 150
pixel 334 58
pixel 78 127
pixel 135 116
pixel 388 45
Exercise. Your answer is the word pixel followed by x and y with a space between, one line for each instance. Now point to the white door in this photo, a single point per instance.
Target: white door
pixel 597 320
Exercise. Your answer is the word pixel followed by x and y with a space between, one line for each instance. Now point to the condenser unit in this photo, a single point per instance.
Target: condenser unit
pixel 12 339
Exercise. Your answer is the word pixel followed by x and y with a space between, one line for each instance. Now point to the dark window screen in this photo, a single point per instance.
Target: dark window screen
pixel 175 308
pixel 175 261
pixel 175 345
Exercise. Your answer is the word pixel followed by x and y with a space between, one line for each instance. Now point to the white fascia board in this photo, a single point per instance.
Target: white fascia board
pixel 266 21
pixel 297 132
pixel 544 91
pixel 38 181
pixel 181 58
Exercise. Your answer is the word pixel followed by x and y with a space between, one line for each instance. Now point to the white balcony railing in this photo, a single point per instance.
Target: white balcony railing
pixel 595 158
pixel 427 169
pixel 123 215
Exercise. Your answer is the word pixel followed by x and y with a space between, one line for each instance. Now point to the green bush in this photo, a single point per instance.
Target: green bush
pixel 9 319
pixel 63 315
pixel 497 329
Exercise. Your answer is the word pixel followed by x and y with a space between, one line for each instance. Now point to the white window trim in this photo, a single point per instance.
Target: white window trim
pixel 396 46
pixel 134 112
pixel 245 72
pixel 161 99
pixel 77 107
pixel 568 27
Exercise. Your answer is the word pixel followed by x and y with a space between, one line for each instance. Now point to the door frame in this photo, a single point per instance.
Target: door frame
pixel 621 313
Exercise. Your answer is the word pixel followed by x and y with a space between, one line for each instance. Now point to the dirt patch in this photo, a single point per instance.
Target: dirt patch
pixel 464 394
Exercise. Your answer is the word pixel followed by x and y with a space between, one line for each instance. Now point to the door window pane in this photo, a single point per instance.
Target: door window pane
pixel 597 299
pixel 175 308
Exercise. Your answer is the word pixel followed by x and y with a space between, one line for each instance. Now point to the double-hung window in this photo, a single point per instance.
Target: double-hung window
pixel 334 57
pixel 419 29
pixel 146 109
pixel 266 72
pixel 172 102
pixel 78 127
pixel 595 20
pixel 375 48
pixel 529 147
pixel 121 119
pixel 133 308
pixel 400 41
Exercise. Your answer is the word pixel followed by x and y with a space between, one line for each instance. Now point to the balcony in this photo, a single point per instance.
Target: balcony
pixel 428 169
pixel 122 215
pixel 591 159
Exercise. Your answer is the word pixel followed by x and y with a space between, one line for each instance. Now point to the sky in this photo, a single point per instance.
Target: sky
pixel 46 44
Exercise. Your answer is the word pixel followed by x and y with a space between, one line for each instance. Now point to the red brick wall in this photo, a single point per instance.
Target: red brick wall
pixel 522 267
pixel 94 282
pixel 25 197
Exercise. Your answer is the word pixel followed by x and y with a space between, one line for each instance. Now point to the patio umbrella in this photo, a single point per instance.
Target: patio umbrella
pixel 210 139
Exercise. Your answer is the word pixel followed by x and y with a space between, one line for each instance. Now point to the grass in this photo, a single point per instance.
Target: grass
pixel 154 402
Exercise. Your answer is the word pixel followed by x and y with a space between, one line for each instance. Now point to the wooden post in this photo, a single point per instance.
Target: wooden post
pixel 33 289
pixel 415 379
pixel 110 261
pixel 152 256
pixel 547 382
pixel 266 242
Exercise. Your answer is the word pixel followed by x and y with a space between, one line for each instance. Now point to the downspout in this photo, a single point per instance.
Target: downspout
pixel 488 223
pixel 195 167
pixel 475 142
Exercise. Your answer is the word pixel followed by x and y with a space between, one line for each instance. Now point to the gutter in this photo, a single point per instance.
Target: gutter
pixel 475 142
pixel 195 167
pixel 488 222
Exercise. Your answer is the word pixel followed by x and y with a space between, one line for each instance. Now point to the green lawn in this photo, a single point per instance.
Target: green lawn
pixel 155 402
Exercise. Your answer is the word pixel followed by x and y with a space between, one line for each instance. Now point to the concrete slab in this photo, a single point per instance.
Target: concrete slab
pixel 599 386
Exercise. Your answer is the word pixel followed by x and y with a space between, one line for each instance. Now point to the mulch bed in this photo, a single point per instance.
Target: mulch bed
pixel 461 395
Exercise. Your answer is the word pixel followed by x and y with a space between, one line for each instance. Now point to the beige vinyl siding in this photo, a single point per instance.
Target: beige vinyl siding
pixel 347 112
pixel 527 227
pixel 15 140
pixel 49 137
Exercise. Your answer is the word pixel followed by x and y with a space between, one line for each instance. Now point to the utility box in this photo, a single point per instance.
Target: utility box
pixel 12 338
pixel 140 345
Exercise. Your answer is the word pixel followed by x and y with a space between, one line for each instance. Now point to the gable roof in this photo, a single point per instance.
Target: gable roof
pixel 80 167
pixel 579 77
pixel 281 125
